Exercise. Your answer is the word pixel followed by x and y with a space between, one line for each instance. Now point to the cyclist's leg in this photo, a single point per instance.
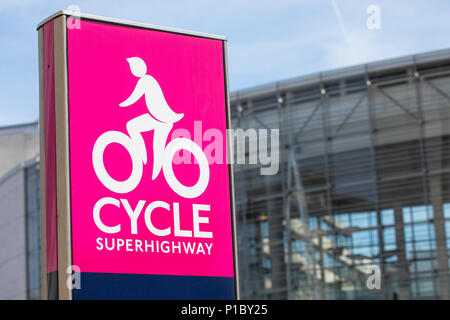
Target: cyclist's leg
pixel 159 144
pixel 135 127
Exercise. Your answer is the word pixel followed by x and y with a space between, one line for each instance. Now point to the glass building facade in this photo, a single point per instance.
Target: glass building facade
pixel 33 230
pixel 363 184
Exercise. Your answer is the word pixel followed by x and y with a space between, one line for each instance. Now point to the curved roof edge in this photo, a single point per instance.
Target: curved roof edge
pixel 340 73
pixel 10 173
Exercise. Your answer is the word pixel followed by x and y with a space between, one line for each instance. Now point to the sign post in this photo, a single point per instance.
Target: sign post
pixel 136 184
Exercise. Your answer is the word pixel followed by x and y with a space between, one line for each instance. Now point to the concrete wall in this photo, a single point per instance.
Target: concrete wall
pixel 17 144
pixel 13 280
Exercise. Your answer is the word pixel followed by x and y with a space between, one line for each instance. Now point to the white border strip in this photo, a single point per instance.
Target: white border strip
pixel 129 23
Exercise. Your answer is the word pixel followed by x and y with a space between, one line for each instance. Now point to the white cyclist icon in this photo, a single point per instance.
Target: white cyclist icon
pixel 160 119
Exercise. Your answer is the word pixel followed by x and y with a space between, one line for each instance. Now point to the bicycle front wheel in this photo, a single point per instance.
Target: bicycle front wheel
pixel 99 166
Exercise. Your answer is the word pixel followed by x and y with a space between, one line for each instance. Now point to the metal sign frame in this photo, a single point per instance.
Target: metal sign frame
pixel 54 284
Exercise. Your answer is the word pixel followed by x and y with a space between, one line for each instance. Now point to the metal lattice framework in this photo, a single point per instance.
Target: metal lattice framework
pixel 363 180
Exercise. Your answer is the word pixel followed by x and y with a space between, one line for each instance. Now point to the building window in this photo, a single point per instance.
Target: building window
pixel 420 245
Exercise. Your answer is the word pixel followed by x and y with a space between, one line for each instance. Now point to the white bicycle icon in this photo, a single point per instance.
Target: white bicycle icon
pixel 162 123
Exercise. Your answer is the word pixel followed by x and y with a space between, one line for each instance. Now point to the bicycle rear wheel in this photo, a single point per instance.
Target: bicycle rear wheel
pixel 200 186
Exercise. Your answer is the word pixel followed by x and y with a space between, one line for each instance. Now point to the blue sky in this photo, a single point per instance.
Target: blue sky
pixel 267 40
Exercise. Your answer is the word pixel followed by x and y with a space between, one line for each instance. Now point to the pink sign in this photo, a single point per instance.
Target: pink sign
pixel 142 102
